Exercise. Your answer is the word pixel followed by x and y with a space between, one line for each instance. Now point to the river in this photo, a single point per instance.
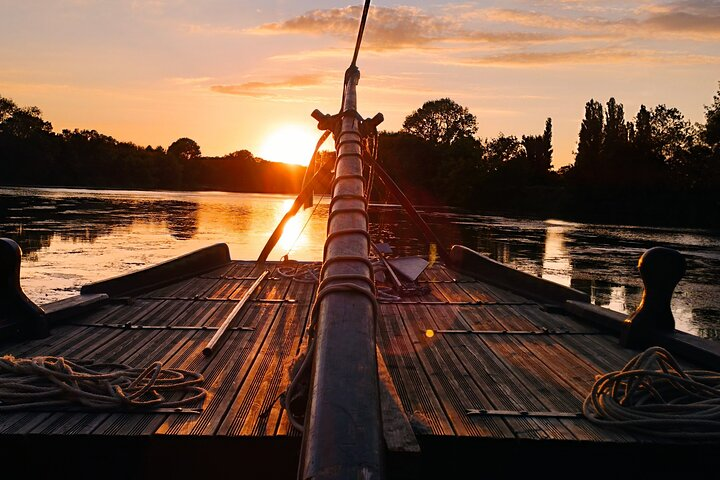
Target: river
pixel 71 237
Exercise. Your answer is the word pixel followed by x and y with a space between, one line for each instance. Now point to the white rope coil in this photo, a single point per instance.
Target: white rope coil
pixel 308 273
pixel 653 395
pixel 46 381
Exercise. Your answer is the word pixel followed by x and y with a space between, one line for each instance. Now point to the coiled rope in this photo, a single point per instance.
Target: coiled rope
pixel 46 381
pixel 303 273
pixel 653 395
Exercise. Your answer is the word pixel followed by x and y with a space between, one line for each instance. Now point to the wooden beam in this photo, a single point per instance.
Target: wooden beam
pixel 343 428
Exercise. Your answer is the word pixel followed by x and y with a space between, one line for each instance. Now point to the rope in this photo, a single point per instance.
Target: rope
pixel 46 381
pixel 654 396
pixel 308 273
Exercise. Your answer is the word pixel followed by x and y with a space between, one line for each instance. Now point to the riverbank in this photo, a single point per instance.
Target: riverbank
pixel 618 207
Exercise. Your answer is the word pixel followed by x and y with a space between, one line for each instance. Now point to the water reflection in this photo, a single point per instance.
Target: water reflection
pixel 33 221
pixel 556 264
pixel 599 260
pixel 72 237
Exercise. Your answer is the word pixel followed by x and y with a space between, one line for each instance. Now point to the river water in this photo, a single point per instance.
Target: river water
pixel 71 237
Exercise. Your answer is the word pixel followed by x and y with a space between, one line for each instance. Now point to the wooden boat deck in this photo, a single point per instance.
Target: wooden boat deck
pixel 527 365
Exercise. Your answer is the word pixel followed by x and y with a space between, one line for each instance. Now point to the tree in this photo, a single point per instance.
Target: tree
pixel 615 134
pixel 441 121
pixel 7 108
pixel 500 151
pixel 184 149
pixel 587 159
pixel 538 152
pixel 712 120
pixel 670 132
pixel 642 132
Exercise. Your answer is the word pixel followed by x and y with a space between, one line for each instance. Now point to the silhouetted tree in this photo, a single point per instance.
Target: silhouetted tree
pixel 588 159
pixel 184 149
pixel 462 172
pixel 615 146
pixel 441 121
pixel 538 155
pixel 501 151
pixel 712 120
pixel 670 132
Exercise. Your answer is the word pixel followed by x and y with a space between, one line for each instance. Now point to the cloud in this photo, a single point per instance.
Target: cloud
pixel 678 22
pixel 397 28
pixel 698 20
pixel 589 56
pixel 275 89
pixel 596 56
pixel 614 32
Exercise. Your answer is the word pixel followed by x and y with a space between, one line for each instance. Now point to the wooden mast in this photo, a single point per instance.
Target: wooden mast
pixel 343 430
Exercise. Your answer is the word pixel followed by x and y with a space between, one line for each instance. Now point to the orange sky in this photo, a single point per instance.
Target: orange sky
pixel 230 73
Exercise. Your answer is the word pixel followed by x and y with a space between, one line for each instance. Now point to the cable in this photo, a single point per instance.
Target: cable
pixel 360 33
pixel 45 381
pixel 652 395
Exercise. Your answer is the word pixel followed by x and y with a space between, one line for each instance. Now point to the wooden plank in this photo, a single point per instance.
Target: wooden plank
pixel 304 294
pixel 413 385
pixel 249 414
pixel 397 431
pixel 484 292
pixel 142 345
pixel 224 373
pixel 509 318
pixel 556 393
pixel 506 277
pixel 256 410
pixel 130 312
pixel 72 306
pixel 552 321
pixel 150 278
pixel 175 342
pixel 84 423
pixel 21 422
pixel 503 389
pixel 602 343
pixel 436 273
pixel 452 292
pixel 453 385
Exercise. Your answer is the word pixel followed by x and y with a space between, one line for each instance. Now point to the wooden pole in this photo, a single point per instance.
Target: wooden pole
pixel 343 430
pixel 209 348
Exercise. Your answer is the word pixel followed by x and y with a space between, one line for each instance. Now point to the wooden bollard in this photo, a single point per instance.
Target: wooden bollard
pixel 16 308
pixel 661 269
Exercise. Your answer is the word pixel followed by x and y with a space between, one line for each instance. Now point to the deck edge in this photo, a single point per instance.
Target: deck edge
pixel 700 350
pixel 179 268
pixel 495 273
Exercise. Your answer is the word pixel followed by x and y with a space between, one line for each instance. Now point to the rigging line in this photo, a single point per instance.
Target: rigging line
pixel 317 204
pixel 358 41
pixel 360 33
pixel 315 155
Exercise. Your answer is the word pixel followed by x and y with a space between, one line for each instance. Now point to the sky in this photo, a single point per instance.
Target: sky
pixel 230 74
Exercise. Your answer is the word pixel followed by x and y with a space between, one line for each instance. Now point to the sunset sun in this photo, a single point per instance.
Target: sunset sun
pixel 289 144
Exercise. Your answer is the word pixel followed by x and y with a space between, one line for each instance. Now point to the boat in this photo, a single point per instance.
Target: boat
pixel 453 367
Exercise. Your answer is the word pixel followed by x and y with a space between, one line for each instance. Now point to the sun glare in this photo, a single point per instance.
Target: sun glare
pixel 290 144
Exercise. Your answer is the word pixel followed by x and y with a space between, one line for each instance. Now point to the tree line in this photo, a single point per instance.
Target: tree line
pixel 654 168
pixel 31 153
pixel 657 168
